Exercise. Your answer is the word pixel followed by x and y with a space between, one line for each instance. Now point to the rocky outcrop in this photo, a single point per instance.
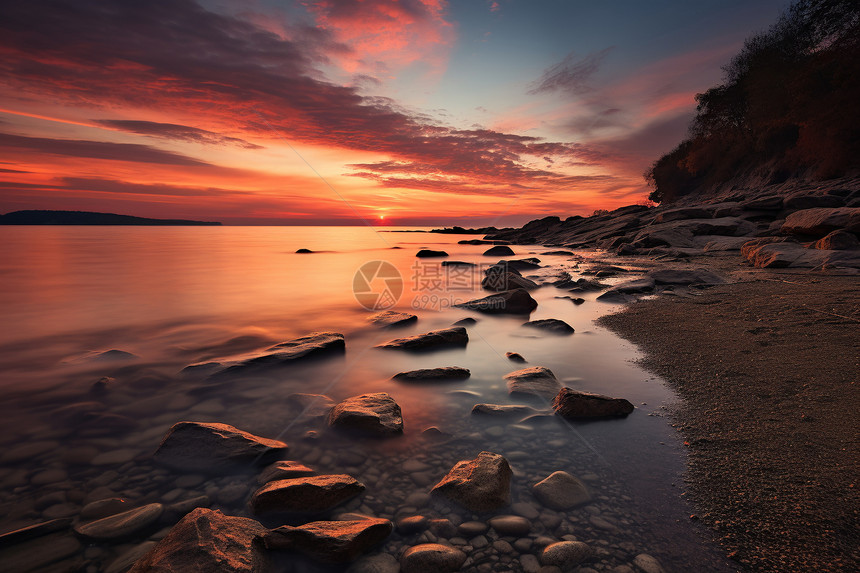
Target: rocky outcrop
pixel 447 337
pixel 517 301
pixel 302 495
pixel 838 241
pixel 214 448
pixel 573 404
pixel 552 325
pixel 534 381
pixel 481 484
pixel 368 414
pixel 207 540
pixel 433 374
pixel 330 541
pixel 819 222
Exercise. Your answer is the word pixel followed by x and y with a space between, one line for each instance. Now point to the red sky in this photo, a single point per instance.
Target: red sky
pixel 334 112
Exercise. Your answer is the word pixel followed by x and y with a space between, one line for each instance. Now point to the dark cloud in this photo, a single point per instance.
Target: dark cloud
pixel 569 75
pixel 175 131
pixel 3 170
pixel 96 150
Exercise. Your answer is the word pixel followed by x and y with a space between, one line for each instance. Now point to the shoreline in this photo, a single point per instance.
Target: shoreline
pixel 763 368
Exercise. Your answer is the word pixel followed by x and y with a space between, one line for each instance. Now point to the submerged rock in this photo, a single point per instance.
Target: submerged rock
pixel 446 337
pixel 433 374
pixel 573 404
pixel 122 524
pixel 313 345
pixel 503 410
pixel 372 414
pixel 561 491
pixel 479 485
pixel 499 280
pixel 309 406
pixel 534 381
pixel 309 494
pixel 427 253
pixel 207 540
pixel 515 357
pixel 513 525
pixel 517 301
pixel 390 318
pixel 38 553
pixel 432 558
pixel 553 325
pixel 330 541
pixel 203 447
pixel 284 469
pixel 499 251
pixel 565 554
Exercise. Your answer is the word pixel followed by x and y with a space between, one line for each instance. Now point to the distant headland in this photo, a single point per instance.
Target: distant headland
pixel 43 217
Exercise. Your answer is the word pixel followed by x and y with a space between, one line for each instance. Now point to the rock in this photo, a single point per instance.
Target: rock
pixel 804 200
pixel 121 525
pixel 468 321
pixel 379 563
pixel 647 564
pixel 645 284
pixel 444 338
pixel 573 404
pixel 772 203
pixel 565 554
pixel 715 244
pixel 515 357
pixel 330 541
pixel 472 528
pixel 561 491
pixel 582 285
pixel 433 374
pixel 127 559
pixel 372 414
pixel 511 525
pixel 529 563
pixel 176 511
pixel 499 251
pixel 34 531
pixel 313 345
pixel 479 485
pixel 427 253
pixel 457 264
pixel 303 251
pixel 38 553
pixel 682 213
pixel 207 540
pixel 411 524
pixel 553 325
pixel 500 281
pixel 558 253
pixel 309 494
pixel 790 254
pixel 202 447
pixel 104 507
pixel 503 410
pixel 517 301
pixel 534 381
pixel 112 355
pixel 838 241
pixel 685 277
pixel 517 265
pixel 431 558
pixel 819 222
pixel 390 318
pixel 201 370
pixel 309 406
pixel 284 469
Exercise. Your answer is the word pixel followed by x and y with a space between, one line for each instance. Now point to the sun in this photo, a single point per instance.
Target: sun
pixel 382 217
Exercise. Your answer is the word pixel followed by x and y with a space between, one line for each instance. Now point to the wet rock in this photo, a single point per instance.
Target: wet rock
pixel 176 511
pixel 503 410
pixel 330 541
pixel 444 338
pixel 411 524
pixel 515 357
pixel 431 558
pixel 838 241
pixel 498 280
pixel 499 251
pixel 390 318
pixel 428 253
pixel 433 374
pixel 647 564
pixel 561 491
pixel 685 277
pixel 724 244
pixel 38 553
pixel 517 301
pixel 311 346
pixel 284 469
pixel 303 251
pixel 517 265
pixel 558 253
pixel 565 554
pixel 104 508
pixel 511 525
pixel 682 213
pixel 575 300
pixel 309 406
pixel 819 222
pixel 121 525
pixel 582 285
pixel 573 404
pixel 207 540
pixel 468 321
pixel 380 563
pixel 127 559
pixel 310 494
pixel 372 414
pixel 457 264
pixel 481 484
pixel 534 381
pixel 34 531
pixel 553 325
pixel 529 563
pixel 201 447
pixel 472 528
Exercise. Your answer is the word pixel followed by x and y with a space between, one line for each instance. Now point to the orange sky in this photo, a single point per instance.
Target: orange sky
pixel 334 112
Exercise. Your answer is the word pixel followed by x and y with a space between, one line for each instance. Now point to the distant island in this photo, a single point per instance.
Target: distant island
pixel 42 217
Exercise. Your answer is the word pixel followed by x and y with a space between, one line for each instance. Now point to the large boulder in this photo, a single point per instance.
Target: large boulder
pixel 203 447
pixel 121 525
pixel 304 495
pixel 573 404
pixel 479 485
pixel 446 337
pixel 534 381
pixel 370 414
pixel 432 558
pixel 821 221
pixel 561 491
pixel 517 301
pixel 330 541
pixel 207 540
pixel 433 374
pixel 311 346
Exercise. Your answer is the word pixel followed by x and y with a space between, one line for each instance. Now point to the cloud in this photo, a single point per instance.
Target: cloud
pixel 571 75
pixel 175 131
pixel 96 150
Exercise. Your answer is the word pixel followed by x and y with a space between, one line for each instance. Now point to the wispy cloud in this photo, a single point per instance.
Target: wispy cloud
pixel 175 132
pixel 571 75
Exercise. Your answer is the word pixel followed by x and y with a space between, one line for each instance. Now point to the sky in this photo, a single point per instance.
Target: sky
pixel 409 112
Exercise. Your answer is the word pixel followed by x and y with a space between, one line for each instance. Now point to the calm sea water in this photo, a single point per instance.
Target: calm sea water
pixel 174 296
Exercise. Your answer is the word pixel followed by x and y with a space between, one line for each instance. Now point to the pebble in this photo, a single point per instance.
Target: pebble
pixel 565 554
pixel 431 558
pixel 472 528
pixel 512 525
pixel 526 510
pixel 648 564
pixel 122 524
